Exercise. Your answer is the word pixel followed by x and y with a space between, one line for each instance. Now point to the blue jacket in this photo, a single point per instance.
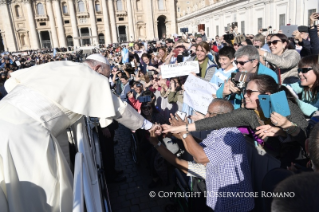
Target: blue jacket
pixel 307 107
pixel 238 97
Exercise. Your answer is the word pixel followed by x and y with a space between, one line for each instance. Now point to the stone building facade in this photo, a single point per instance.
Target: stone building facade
pixel 35 24
pixel 250 15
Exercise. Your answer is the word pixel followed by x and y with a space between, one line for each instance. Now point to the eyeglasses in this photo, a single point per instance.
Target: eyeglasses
pixel 274 42
pixel 304 70
pixel 242 62
pixel 138 85
pixel 248 92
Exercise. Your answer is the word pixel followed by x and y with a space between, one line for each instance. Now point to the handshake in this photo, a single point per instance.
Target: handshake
pixel 177 125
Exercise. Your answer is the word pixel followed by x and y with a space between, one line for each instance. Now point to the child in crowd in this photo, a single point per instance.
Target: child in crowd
pixel 226 59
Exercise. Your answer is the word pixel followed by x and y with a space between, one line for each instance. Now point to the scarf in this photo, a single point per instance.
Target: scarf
pixel 203 67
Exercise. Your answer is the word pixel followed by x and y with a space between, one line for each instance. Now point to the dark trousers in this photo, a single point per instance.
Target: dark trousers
pixel 107 150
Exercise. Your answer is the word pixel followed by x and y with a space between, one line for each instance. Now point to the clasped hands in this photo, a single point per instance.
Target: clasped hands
pixel 175 121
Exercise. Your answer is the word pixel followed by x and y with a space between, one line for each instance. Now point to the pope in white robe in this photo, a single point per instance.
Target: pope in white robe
pixel 42 102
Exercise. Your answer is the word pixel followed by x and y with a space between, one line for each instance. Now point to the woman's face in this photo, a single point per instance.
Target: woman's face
pixel 277 49
pixel 251 96
pixel 138 89
pixel 308 79
pixel 141 74
pixel 147 110
pixel 146 60
pixel 201 53
pixel 161 53
pixel 257 43
pixel 136 47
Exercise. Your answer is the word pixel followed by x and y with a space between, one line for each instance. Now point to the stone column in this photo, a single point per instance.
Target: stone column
pixel 52 24
pixel 130 20
pixel 113 23
pixel 61 33
pixel 150 23
pixel 107 30
pixel 93 22
pixel 33 32
pixel 7 33
pixel 39 34
pixel 75 31
pixel 172 9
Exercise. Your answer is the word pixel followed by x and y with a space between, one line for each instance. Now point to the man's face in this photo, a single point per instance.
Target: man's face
pixel 248 66
pixel 105 70
pixel 202 32
pixel 123 81
pixel 225 62
pixel 198 40
pixel 211 112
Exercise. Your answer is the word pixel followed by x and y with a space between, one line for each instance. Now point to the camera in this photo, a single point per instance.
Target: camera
pixel 240 79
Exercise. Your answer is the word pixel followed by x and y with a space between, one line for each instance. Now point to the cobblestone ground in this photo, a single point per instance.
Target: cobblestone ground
pixel 133 194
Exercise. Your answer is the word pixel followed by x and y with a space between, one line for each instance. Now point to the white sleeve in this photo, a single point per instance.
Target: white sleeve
pixel 146 125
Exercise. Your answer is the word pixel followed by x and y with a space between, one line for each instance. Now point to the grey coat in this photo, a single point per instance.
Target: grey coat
pixel 287 63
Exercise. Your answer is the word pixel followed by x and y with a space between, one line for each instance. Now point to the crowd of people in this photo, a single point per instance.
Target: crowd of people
pixel 274 63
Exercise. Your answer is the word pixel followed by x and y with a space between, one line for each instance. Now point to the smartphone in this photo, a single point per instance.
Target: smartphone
pixel 264 102
pixel 150 73
pixel 181 114
pixel 264 30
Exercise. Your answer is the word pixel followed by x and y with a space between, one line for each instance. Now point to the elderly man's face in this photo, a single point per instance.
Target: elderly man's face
pixel 105 70
pixel 198 40
pixel 212 110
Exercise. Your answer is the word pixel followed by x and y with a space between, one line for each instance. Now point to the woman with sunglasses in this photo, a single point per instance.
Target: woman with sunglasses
pixel 290 128
pixel 282 58
pixel 308 85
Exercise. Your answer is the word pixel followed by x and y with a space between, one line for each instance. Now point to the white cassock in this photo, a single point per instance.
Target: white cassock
pixel 42 102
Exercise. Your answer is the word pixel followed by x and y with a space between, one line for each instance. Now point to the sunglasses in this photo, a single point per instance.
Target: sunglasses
pixel 274 42
pixel 138 85
pixel 304 70
pixel 242 62
pixel 248 92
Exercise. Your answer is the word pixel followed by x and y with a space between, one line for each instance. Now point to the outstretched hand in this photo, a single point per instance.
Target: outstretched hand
pixel 177 121
pixel 156 130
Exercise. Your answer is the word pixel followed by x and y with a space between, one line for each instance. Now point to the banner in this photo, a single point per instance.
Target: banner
pixel 179 69
pixel 198 93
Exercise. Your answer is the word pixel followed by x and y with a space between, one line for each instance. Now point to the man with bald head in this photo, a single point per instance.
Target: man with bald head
pixel 220 159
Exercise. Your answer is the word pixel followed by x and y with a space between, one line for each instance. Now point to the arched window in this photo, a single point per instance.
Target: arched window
pixel 97 7
pixel 81 6
pixel 69 40
pixel 64 8
pixel 101 38
pixel 40 9
pixel 119 5
pixel 160 5
pixel 17 10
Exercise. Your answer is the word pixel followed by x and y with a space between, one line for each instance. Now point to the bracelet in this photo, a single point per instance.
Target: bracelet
pixel 186 127
pixel 157 145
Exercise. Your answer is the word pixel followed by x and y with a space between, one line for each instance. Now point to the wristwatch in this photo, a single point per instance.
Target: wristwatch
pixel 185 135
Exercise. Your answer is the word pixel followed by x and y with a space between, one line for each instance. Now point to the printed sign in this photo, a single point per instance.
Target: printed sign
pixel 179 69
pixel 198 93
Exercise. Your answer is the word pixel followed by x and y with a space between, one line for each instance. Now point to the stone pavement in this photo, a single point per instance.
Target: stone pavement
pixel 133 194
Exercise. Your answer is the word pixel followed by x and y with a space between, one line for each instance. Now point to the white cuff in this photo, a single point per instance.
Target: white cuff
pixel 146 125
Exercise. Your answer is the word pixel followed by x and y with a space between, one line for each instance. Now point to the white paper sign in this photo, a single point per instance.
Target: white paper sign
pixel 18 63
pixel 198 93
pixel 179 69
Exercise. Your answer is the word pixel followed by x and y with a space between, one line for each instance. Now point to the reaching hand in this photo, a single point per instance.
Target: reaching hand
pixel 230 88
pixel 130 95
pixel 157 129
pixel 178 121
pixel 268 131
pixel 168 128
pixel 197 116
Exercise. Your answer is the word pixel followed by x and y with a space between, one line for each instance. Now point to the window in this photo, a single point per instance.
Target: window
pixel 64 8
pixel 40 9
pixel 101 38
pixel 309 14
pixel 260 23
pixel 217 30
pixel 17 10
pixel 178 9
pixel 66 21
pixel 139 5
pixel 97 8
pixel 242 27
pixel 23 39
pixel 81 6
pixel 99 20
pixel 282 20
pixel 69 40
pixel 119 5
pixel 42 23
pixel 160 5
pixel 121 19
